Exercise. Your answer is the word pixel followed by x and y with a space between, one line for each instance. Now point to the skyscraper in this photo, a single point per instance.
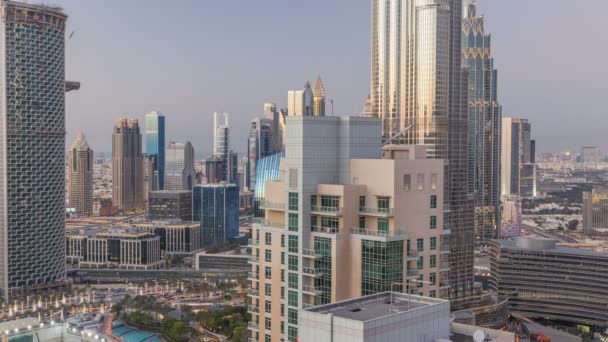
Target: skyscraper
pixel 80 176
pixel 271 112
pixel 300 102
pixel 221 135
pixel 484 126
pixel 32 147
pixel 419 92
pixel 259 145
pixel 216 207
pixel 155 146
pixel 318 98
pixel 179 168
pixel 127 166
pixel 518 171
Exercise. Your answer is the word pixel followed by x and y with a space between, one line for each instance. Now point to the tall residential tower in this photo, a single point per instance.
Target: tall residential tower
pixel 80 176
pixel 518 170
pixel 127 166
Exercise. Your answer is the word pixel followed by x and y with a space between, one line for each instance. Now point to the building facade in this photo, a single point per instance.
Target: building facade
pixel 215 170
pixel 545 281
pixel 518 170
pixel 155 147
pixel 32 147
pixel 259 145
pixel 300 102
pixel 484 126
pixel 179 167
pixel 80 176
pixel 170 205
pixel 419 90
pixel 221 135
pixel 272 113
pixel 216 207
pixel 343 222
pixel 127 166
pixel 176 237
pixel 595 210
pixel 267 169
pixel 318 98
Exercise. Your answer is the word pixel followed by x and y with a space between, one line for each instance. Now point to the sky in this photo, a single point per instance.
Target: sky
pixel 190 58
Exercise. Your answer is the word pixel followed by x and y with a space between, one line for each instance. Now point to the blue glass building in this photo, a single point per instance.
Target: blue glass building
pixel 216 207
pixel 267 169
pixel 155 146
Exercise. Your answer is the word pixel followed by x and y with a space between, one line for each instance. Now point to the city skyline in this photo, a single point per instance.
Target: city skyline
pixel 529 87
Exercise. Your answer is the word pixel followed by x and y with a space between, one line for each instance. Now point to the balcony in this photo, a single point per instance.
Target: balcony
pixel 272 205
pixel 325 211
pixel 413 255
pixel 375 234
pixel 253 326
pixel 254 259
pixel 311 290
pixel 266 223
pixel 253 276
pixel 307 306
pixel 412 274
pixel 378 212
pixel 444 266
pixel 253 308
pixel 311 253
pixel 446 232
pixel 252 242
pixel 311 271
pixel 326 230
pixel 445 249
pixel 253 292
pixel 444 284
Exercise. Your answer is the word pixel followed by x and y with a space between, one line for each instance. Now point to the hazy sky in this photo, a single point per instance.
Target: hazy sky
pixel 189 58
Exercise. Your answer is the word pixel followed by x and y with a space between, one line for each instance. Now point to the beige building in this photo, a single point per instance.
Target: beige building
pixel 343 222
pixel 595 210
pixel 127 166
pixel 80 176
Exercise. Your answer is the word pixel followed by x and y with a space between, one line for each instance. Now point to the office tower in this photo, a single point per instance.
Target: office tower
pixel 318 98
pixel 544 281
pixel 518 172
pixel 155 146
pixel 484 126
pixel 300 102
pixel 179 167
pixel 150 176
pixel 419 90
pixel 267 169
pixel 216 207
pixel 80 176
pixel 32 147
pixel 127 166
pixel 271 113
pixel 343 222
pixel 232 164
pixel 221 135
pixel 170 205
pixel 215 170
pixel 242 172
pixel 595 210
pixel 260 145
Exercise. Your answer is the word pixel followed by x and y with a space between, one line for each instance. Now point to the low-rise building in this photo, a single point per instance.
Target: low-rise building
pixel 176 237
pixel 595 210
pixel 222 262
pixel 170 205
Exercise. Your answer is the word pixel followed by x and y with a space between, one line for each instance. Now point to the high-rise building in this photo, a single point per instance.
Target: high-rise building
pixel 595 210
pixel 232 165
pixel 343 222
pixel 155 146
pixel 267 169
pixel 216 207
pixel 221 135
pixel 127 166
pixel 419 90
pixel 215 170
pixel 485 116
pixel 300 102
pixel 80 176
pixel 260 145
pixel 32 147
pixel 179 166
pixel 170 205
pixel 518 171
pixel 318 98
pixel 271 113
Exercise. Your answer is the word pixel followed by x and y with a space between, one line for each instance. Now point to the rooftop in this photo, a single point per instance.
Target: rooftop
pixel 542 245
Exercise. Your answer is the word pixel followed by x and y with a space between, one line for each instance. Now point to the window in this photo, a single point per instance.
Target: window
pixel 292 316
pixel 420 280
pixel 432 294
pixel 293 178
pixel 292 282
pixel 282 310
pixel 292 298
pixel 268 255
pixel 433 222
pixel 282 292
pixel 433 201
pixel 268 238
pixel 420 263
pixel 407 182
pixel 383 225
pixel 362 222
pixel 268 289
pixel 267 338
pixel 267 323
pixel 282 276
pixel 433 243
pixel 433 278
pixel 330 203
pixel 293 244
pixel 293 263
pixel 434 181
pixel 282 240
pixel 282 329
pixel 282 258
pixel 268 272
pixel 292 222
pixel 313 221
pixel 313 200
pixel 268 306
pixel 292 334
pixel 383 204
pixel 420 181
pixel 361 203
pixel 293 201
pixel 433 261
pixel 420 245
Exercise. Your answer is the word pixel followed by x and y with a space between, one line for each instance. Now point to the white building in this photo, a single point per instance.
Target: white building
pixel 300 102
pixel 179 167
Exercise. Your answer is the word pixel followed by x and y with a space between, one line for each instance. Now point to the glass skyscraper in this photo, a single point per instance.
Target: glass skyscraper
pixel 419 92
pixel 216 207
pixel 484 126
pixel 260 145
pixel 267 169
pixel 32 147
pixel 155 146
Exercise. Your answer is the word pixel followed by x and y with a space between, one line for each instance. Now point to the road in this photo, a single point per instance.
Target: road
pixel 550 235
